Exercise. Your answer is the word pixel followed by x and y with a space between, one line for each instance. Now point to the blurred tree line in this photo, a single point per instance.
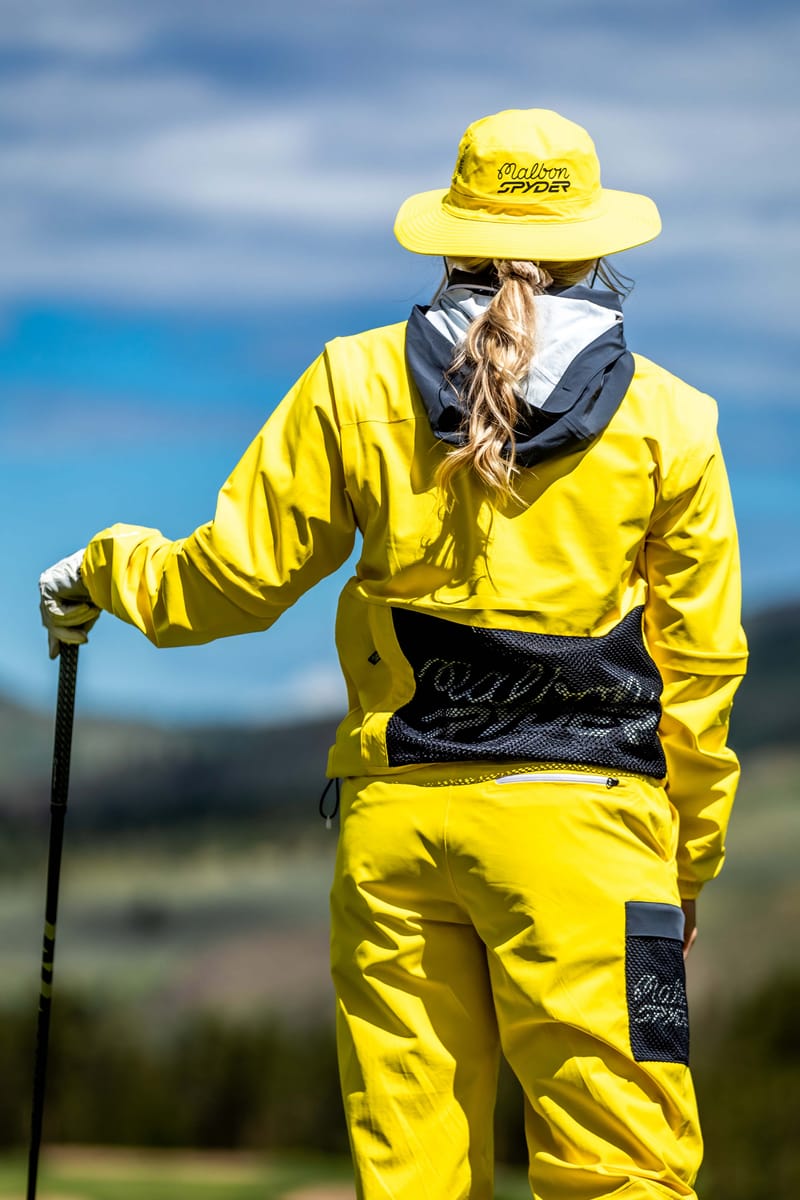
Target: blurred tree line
pixel 218 1083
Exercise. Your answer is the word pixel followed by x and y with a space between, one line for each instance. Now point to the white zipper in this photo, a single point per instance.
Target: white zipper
pixel 608 781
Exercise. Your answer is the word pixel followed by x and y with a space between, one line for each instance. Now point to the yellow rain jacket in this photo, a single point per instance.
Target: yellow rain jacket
pixel 595 622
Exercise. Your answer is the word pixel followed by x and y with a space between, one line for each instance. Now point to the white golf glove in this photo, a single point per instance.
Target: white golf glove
pixel 67 611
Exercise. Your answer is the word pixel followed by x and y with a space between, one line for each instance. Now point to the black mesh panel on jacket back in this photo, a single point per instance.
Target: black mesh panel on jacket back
pixel 504 695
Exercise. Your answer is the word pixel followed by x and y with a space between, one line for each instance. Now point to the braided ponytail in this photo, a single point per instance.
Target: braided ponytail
pixel 496 354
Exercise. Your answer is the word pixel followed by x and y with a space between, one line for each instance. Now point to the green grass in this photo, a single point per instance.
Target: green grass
pixel 747 917
pixel 239 924
pixel 216 925
pixel 75 1173
pixel 128 1175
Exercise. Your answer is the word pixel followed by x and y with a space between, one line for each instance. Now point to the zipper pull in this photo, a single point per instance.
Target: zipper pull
pixel 611 782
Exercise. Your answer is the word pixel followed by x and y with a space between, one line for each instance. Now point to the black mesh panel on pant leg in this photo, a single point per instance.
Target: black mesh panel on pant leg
pixel 655 977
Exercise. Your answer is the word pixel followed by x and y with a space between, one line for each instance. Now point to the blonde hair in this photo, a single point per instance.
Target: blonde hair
pixel 496 355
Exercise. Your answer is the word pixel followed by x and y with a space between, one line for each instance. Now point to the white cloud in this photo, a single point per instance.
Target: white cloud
pixel 172 179
pixel 46 424
pixel 315 690
pixel 84 27
pixel 154 270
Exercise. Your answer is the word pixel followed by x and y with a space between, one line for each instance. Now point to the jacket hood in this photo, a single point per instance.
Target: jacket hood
pixel 580 371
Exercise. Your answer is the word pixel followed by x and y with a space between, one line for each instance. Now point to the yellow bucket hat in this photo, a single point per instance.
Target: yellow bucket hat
pixel 526 186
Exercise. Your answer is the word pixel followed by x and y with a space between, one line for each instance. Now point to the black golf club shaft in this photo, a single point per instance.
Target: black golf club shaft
pixel 65 708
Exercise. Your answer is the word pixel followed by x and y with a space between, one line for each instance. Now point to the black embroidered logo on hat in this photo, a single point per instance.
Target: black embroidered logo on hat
pixel 536 178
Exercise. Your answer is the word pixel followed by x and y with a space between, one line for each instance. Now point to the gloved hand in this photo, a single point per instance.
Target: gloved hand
pixel 67 611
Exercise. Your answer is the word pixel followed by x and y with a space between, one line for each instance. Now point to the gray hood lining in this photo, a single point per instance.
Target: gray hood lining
pixel 577 409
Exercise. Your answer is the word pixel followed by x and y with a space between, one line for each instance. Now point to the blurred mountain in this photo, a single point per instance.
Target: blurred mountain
pixel 132 775
pixel 766 712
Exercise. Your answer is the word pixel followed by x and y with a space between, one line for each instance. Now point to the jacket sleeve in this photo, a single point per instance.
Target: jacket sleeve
pixel 693 630
pixel 283 521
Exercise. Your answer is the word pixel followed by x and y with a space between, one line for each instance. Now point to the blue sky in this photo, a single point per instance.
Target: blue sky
pixel 193 198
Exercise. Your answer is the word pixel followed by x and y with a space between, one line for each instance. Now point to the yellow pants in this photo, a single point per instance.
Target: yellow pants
pixel 541 915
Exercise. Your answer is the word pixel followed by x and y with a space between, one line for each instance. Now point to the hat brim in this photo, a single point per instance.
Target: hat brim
pixel 616 221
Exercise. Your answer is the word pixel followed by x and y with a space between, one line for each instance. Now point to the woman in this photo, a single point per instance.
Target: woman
pixel 541 645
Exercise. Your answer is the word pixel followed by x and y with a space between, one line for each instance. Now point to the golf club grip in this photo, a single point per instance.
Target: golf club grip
pixel 65 710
